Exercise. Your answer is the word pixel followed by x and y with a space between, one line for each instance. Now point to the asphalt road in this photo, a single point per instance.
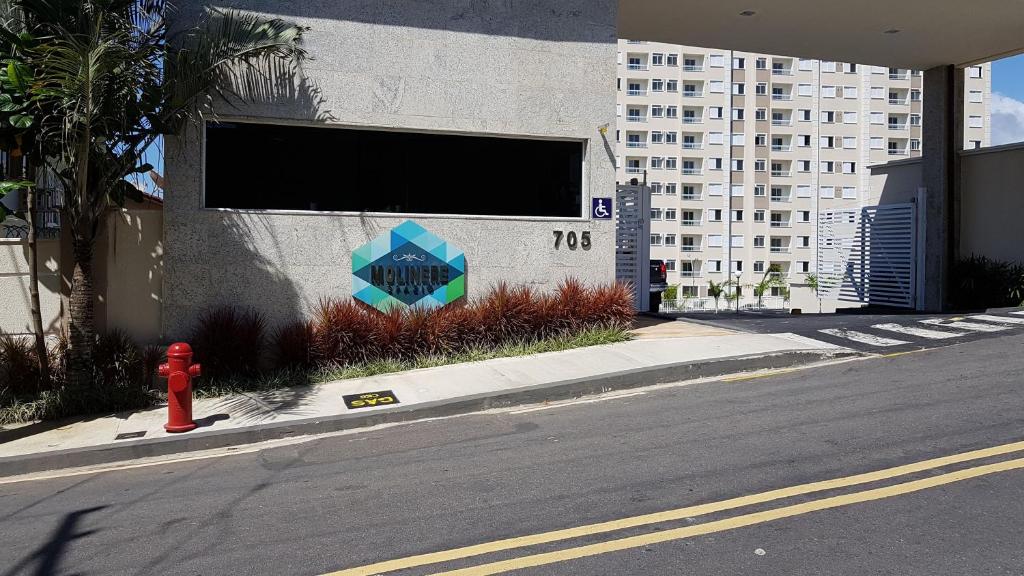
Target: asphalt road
pixel 351 500
pixel 832 327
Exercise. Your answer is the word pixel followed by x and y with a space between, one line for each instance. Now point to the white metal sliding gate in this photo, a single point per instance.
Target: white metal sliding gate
pixel 869 255
pixel 633 241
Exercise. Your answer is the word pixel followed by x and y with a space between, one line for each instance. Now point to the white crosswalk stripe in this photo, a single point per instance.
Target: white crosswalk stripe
pixel 999 319
pixel 1018 313
pixel 972 326
pixel 862 337
pixel 920 332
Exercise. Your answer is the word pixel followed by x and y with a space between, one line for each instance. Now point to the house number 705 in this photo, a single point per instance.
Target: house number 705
pixel 571 241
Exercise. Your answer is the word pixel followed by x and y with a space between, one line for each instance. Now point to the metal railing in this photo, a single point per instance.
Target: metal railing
pixel 693 145
pixel 636 66
pixel 782 96
pixel 784 173
pixel 780 224
pixel 782 147
pixel 690 248
pixel 633 92
pixel 689 222
pixel 783 122
pixel 693 119
pixel 693 68
pixel 693 171
pixel 693 93
pixel 635 118
pixel 696 197
pixel 781 198
pixel 782 71
pixel 899 101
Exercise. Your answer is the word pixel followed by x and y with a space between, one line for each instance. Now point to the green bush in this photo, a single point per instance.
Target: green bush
pixel 979 282
pixel 671 293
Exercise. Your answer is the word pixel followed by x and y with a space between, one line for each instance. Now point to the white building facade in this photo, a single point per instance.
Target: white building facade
pixel 743 150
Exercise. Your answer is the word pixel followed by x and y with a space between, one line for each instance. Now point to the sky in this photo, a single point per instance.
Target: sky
pixel 1008 100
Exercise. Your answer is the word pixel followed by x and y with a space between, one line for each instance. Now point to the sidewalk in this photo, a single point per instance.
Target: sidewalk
pixel 431 392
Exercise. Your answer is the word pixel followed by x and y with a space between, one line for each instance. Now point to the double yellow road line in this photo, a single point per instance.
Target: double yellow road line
pixel 677 514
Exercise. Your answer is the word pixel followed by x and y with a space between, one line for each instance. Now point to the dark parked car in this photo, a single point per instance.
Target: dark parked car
pixel 659 283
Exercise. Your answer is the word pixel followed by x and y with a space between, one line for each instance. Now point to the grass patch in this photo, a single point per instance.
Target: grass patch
pixel 287 378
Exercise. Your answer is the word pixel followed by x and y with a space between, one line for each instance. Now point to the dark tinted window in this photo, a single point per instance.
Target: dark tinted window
pixel 264 166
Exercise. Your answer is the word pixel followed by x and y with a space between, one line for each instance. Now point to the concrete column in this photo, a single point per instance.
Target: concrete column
pixel 942 140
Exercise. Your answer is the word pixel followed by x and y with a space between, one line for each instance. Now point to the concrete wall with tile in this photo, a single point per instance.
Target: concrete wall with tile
pixel 543 68
pixel 15 305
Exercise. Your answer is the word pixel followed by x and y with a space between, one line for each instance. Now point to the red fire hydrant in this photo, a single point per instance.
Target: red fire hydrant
pixel 179 372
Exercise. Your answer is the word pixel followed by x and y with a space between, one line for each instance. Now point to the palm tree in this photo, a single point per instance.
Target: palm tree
pixel 715 291
pixel 768 281
pixel 111 80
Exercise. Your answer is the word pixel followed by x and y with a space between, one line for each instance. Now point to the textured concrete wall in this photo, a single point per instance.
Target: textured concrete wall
pixel 542 68
pixel 15 312
pixel 129 273
pixel 993 203
pixel 895 182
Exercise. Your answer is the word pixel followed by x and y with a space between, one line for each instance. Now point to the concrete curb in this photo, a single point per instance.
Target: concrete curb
pixel 552 391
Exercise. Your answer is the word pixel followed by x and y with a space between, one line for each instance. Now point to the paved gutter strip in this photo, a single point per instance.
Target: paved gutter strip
pixel 552 391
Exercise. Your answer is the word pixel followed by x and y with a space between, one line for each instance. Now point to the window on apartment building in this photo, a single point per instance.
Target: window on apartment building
pixel 738 139
pixel 670 213
pixel 915 144
pixel 828 91
pixel 551 187
pixel 656 188
pixel 803 241
pixel 878 118
pixel 737 165
pixel 657 111
pixel 849 117
pixel 716 61
pixel 826 141
pixel 671 112
pixel 849 167
pixel 715 189
pixel 672 86
pixel 759 266
pixel 761 88
pixel 657 162
pixel 803 216
pixel 655 239
pixel 804 191
pixel 878 92
pixel 828 166
pixel 715 215
pixel 877 143
pixel 760 139
pixel 915 119
pixel 761 63
pixel 803 266
pixel 760 165
pixel 761 114
pixel 915 95
pixel 878 69
pixel 715 112
pixel 715 240
pixel 738 113
pixel 849 91
pixel 739 88
pixel 716 87
pixel 827 66
pixel 827 192
pixel 670 240
pixel 849 142
pixel 850 68
pixel 657 137
pixel 670 188
pixel 657 85
pixel 805 90
pixel 737 215
pixel 689 216
pixel 803 165
pixel 716 138
pixel 739 63
pixel 716 163
pixel 671 163
pixel 671 137
pixel 849 193
pixel 737 242
pixel 828 116
pixel 617 138
pixel 657 59
pixel 803 140
pixel 673 60
pixel 758 241
pixel 759 215
pixel 670 265
pixel 974 71
pixel 806 65
pixel 804 115
pixel 759 189
pixel 975 122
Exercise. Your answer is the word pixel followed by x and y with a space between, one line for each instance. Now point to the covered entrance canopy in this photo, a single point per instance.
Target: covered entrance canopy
pixel 915 34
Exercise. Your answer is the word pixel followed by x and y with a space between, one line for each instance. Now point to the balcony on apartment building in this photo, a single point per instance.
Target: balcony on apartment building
pixel 693 63
pixel 782 118
pixel 899 147
pixel 692 166
pixel 779 245
pixel 691 193
pixel 690 244
pixel 693 141
pixel 693 115
pixel 782 169
pixel 636 115
pixel 898 74
pixel 782 144
pixel 636 88
pixel 899 122
pixel 636 140
pixel 690 218
pixel 899 97
pixel 635 165
pixel 782 92
pixel 689 270
pixel 783 268
pixel 636 62
pixel 781 220
pixel 782 67
pixel 781 194
pixel 693 90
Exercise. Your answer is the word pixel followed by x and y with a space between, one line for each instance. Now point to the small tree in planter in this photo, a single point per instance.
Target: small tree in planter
pixel 768 281
pixel 812 282
pixel 715 291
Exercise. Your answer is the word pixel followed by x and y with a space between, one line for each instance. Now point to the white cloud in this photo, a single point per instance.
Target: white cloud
pixel 1007 120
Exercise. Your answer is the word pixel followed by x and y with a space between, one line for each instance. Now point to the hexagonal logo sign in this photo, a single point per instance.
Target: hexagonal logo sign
pixel 408 266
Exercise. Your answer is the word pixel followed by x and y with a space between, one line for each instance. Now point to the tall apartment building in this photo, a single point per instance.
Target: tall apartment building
pixel 743 150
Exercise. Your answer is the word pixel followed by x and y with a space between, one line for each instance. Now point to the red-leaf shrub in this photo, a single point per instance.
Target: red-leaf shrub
pixel 292 345
pixel 344 332
pixel 228 341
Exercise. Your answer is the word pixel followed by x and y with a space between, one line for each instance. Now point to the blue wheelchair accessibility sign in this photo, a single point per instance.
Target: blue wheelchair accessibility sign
pixel 601 208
